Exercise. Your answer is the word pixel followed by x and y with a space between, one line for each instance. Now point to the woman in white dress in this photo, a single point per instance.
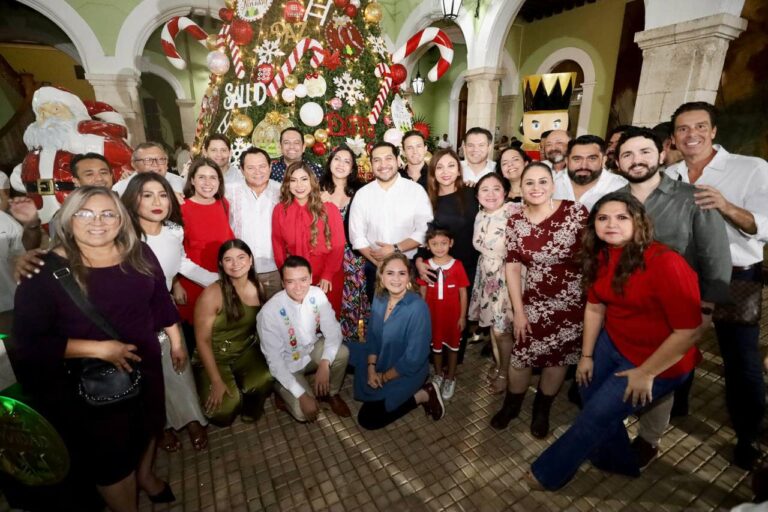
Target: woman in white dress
pixel 156 216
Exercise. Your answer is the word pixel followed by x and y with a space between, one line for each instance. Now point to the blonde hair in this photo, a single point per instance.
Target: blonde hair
pixel 314 201
pixel 127 242
pixel 380 288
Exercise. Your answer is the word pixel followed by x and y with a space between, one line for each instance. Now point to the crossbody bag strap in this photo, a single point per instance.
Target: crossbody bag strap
pixel 64 276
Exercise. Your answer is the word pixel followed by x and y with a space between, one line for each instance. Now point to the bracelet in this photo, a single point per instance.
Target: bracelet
pixel 588 357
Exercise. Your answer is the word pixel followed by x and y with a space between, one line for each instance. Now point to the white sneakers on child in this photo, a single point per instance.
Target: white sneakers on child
pixel 437 380
pixel 448 389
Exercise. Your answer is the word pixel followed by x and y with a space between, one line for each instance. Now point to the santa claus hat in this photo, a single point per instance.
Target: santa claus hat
pixel 104 112
pixel 58 95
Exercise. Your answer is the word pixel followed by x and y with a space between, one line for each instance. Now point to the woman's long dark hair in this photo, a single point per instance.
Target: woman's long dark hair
pixel 353 180
pixel 233 306
pixel 197 163
pixel 594 251
pixel 132 198
pixel 432 186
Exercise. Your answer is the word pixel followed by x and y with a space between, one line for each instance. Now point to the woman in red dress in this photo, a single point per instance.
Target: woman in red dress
pixel 206 226
pixel 303 225
pixel 548 308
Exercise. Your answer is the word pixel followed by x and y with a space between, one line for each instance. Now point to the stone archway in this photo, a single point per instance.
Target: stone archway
pixel 583 59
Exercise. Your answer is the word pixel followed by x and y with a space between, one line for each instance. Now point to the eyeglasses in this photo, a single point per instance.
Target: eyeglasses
pixel 150 161
pixel 89 217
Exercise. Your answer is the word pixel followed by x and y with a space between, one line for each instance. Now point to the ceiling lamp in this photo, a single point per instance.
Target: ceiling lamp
pixel 451 9
pixel 417 84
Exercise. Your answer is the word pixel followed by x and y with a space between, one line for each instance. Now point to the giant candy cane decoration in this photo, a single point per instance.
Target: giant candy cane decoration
pixel 293 59
pixel 429 35
pixel 382 71
pixel 171 29
pixel 225 41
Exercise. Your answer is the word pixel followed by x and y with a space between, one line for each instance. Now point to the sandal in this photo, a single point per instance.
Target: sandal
pixel 498 385
pixel 493 373
pixel 170 441
pixel 198 435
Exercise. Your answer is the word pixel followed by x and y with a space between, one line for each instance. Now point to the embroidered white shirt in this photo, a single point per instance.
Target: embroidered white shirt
pixel 251 219
pixel 469 176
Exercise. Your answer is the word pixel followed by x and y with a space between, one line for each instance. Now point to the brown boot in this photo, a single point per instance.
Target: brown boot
pixel 540 418
pixel 509 411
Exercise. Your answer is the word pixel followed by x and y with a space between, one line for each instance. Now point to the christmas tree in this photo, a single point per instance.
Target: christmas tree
pixel 321 66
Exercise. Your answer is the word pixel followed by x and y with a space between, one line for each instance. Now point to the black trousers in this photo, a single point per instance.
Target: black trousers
pixel 373 415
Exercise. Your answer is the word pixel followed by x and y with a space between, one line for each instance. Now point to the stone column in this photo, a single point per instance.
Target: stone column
pixel 122 92
pixel 508 116
pixel 682 62
pixel 482 96
pixel 188 120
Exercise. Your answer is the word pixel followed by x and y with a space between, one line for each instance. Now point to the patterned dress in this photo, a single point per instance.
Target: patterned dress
pixel 354 301
pixel 552 296
pixel 489 304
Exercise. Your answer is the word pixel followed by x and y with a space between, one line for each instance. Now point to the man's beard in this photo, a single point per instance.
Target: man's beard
pixel 54 133
pixel 584 179
pixel 555 156
pixel 652 170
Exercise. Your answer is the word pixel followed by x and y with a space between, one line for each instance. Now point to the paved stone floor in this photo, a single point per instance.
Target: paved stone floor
pixel 458 463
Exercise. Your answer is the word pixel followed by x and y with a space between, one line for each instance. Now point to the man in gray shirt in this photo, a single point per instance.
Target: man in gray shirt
pixel 698 235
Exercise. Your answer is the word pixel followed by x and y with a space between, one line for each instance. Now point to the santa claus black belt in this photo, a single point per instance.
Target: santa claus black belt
pixel 49 187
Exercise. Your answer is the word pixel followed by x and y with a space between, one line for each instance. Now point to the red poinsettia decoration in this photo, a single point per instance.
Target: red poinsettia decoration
pixel 331 60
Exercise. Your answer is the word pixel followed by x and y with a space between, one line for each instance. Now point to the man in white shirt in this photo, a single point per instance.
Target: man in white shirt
pixel 736 186
pixel 299 337
pixel 388 215
pixel 444 142
pixel 554 148
pixel 251 202
pixel 150 157
pixel 587 179
pixel 218 148
pixel 477 150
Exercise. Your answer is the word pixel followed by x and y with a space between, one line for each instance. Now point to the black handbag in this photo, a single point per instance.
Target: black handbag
pixel 100 382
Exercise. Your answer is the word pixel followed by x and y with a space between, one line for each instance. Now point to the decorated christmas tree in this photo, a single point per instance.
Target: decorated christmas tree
pixel 321 66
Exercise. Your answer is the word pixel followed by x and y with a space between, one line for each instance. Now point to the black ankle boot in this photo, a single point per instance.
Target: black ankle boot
pixel 509 411
pixel 540 418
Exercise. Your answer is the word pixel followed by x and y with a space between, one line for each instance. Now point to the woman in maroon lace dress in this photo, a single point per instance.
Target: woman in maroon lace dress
pixel 548 308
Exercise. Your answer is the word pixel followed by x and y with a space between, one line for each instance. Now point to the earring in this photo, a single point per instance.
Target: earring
pixel 551 204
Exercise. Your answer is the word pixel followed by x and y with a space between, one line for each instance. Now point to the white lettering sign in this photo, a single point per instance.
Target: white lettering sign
pixel 244 95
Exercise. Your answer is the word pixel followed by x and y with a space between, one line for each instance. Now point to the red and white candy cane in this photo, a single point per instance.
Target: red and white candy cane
pixel 430 35
pixel 382 71
pixel 293 59
pixel 167 36
pixel 225 41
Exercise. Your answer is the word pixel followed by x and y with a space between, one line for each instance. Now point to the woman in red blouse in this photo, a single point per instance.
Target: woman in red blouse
pixel 206 226
pixel 303 225
pixel 640 327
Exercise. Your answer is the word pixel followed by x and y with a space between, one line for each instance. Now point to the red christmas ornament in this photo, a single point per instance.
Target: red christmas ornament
pixel 350 10
pixel 423 128
pixel 294 11
pixel 264 73
pixel 399 73
pixel 226 15
pixel 241 32
pixel 318 148
pixel 340 4
pixel 346 39
pixel 331 60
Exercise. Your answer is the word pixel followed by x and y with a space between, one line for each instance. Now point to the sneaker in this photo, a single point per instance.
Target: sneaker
pixel 437 380
pixel 434 405
pixel 449 388
pixel 644 451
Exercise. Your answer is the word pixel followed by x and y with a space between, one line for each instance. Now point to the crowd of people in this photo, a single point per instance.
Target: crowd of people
pixel 604 262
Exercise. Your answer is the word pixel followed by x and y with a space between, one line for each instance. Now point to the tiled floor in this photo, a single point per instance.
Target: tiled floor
pixel 458 463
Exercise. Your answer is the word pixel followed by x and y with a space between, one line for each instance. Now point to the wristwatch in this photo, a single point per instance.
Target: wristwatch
pixel 706 310
pixel 397 249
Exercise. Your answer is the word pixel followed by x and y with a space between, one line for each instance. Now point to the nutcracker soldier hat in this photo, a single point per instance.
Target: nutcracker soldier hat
pixel 551 91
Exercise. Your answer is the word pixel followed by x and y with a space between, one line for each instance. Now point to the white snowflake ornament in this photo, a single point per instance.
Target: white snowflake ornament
pixel 378 45
pixel 239 145
pixel 348 88
pixel 269 51
pixel 401 116
pixel 357 145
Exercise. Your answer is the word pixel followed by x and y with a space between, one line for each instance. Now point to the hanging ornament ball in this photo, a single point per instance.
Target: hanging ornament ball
pixel 309 140
pixel 321 135
pixel 211 41
pixel 226 15
pixel 350 10
pixel 399 73
pixel 288 95
pixel 387 121
pixel 291 81
pixel 340 4
pixel 318 148
pixel 393 136
pixel 241 125
pixel 231 4
pixel 300 90
pixel 241 32
pixel 293 11
pixel 336 103
pixel 311 114
pixel 373 13
pixel 217 62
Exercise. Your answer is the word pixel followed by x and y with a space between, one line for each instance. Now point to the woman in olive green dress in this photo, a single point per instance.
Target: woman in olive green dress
pixel 231 373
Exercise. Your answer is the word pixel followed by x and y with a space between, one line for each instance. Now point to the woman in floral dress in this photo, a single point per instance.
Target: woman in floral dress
pixel 548 310
pixel 489 305
pixel 338 184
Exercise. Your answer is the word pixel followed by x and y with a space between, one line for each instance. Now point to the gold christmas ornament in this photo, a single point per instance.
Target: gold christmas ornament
pixel 373 13
pixel 241 125
pixel 210 42
pixel 309 140
pixel 291 81
pixel 321 135
pixel 231 4
pixel 266 135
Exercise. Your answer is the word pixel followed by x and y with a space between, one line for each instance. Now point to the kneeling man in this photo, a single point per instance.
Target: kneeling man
pixel 301 338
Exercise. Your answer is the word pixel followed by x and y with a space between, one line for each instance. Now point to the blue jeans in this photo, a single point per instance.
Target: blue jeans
pixel 743 365
pixel 598 433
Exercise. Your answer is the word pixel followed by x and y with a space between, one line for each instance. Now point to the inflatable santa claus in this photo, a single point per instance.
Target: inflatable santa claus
pixel 66 126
